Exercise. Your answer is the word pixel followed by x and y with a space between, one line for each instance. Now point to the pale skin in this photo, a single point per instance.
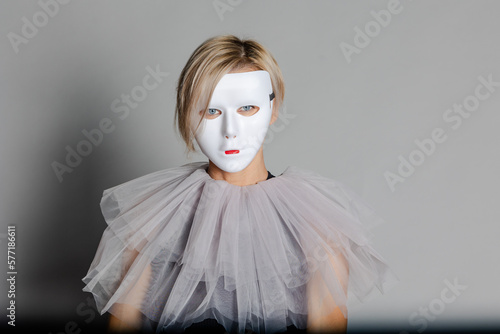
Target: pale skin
pixel 332 318
pixel 128 312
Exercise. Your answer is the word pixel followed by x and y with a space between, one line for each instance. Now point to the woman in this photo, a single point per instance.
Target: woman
pixel 225 242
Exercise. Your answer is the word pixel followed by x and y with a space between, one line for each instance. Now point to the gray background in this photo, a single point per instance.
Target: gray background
pixel 346 120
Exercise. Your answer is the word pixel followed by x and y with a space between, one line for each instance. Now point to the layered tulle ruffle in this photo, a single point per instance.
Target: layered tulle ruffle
pixel 181 247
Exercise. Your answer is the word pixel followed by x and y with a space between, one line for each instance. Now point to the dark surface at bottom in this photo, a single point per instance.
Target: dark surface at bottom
pixel 212 326
pixel 98 325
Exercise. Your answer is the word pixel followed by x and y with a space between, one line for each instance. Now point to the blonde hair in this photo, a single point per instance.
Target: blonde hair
pixel 210 61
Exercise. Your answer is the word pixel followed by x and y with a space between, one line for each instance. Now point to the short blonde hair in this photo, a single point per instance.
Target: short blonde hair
pixel 210 61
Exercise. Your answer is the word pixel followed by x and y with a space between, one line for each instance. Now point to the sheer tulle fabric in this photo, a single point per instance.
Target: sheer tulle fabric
pixel 182 247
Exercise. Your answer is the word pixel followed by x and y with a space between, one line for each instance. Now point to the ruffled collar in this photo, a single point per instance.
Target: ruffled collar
pixel 239 254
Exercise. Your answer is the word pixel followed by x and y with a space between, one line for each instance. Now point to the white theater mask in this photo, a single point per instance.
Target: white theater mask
pixel 236 121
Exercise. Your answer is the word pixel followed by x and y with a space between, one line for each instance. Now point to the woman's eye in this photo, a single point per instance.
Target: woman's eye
pixel 212 113
pixel 249 110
